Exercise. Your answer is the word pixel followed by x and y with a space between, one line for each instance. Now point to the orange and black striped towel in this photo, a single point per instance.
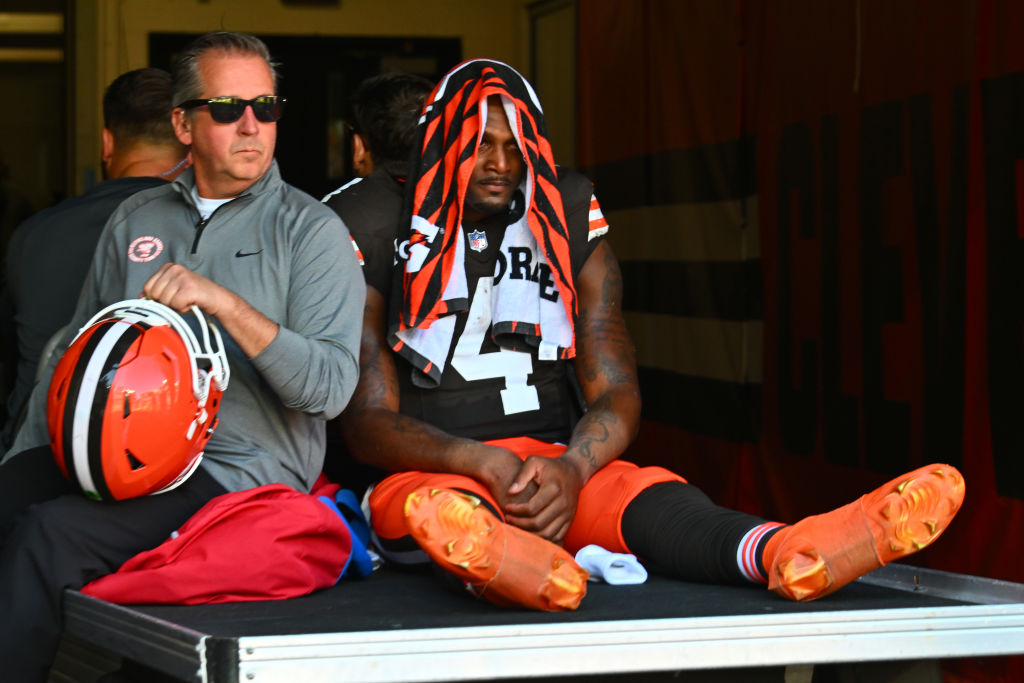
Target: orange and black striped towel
pixel 433 281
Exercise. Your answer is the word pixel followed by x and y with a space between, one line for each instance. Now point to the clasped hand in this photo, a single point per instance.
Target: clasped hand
pixel 542 496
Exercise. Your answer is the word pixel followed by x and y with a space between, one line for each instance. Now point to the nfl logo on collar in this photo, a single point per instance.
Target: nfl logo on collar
pixel 477 240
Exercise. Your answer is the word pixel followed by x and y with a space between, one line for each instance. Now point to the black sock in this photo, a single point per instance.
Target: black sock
pixel 684 534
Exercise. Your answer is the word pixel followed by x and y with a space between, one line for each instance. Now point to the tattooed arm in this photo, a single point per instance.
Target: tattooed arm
pixel 606 368
pixel 376 433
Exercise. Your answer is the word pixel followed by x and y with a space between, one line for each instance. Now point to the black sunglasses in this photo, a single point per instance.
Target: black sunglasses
pixel 267 108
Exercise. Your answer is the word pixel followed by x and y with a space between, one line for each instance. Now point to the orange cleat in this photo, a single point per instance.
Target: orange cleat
pixel 823 553
pixel 502 563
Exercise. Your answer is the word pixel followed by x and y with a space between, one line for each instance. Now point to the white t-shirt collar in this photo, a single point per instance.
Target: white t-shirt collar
pixel 207 206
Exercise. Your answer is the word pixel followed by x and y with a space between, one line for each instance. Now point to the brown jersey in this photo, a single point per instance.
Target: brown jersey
pixel 487 391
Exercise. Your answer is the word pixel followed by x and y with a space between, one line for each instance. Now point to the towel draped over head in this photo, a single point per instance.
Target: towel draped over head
pixel 433 281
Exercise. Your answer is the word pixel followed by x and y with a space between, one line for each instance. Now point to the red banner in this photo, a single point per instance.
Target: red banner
pixel 877 151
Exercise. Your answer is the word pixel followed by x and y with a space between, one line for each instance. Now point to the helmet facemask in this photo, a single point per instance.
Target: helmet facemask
pixel 134 399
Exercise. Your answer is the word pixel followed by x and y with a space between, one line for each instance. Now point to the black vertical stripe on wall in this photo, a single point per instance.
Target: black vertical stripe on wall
pixel 729 290
pixel 710 407
pixel 705 173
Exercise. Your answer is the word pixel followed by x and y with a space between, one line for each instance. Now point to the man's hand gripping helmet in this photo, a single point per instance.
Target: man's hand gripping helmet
pixel 134 400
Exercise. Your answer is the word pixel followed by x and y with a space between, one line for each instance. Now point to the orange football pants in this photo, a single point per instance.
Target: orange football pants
pixel 599 510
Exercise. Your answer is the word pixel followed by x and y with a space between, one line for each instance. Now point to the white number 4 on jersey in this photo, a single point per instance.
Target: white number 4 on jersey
pixel 514 366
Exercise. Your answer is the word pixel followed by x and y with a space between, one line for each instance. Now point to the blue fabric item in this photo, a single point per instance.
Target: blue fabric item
pixel 346 506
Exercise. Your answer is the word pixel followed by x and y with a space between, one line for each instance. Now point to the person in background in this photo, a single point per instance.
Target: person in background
pixel 385 110
pixel 49 254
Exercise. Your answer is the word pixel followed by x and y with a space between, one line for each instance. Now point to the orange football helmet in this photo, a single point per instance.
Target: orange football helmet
pixel 134 400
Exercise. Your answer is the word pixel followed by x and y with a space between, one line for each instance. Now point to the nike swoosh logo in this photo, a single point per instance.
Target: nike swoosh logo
pixel 240 253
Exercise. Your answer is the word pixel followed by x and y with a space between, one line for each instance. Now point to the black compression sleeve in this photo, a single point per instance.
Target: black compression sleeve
pixel 679 530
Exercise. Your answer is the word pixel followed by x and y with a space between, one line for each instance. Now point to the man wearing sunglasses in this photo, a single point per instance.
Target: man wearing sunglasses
pixel 277 271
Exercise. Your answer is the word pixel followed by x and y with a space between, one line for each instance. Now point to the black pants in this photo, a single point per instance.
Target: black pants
pixel 52 538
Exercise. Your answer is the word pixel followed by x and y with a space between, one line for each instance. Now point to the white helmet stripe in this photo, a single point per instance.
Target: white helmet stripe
pixel 83 403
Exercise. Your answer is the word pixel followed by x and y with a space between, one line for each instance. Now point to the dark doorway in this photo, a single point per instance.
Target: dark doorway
pixel 318 74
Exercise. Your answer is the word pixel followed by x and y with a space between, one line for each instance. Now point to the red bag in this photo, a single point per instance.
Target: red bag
pixel 266 543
